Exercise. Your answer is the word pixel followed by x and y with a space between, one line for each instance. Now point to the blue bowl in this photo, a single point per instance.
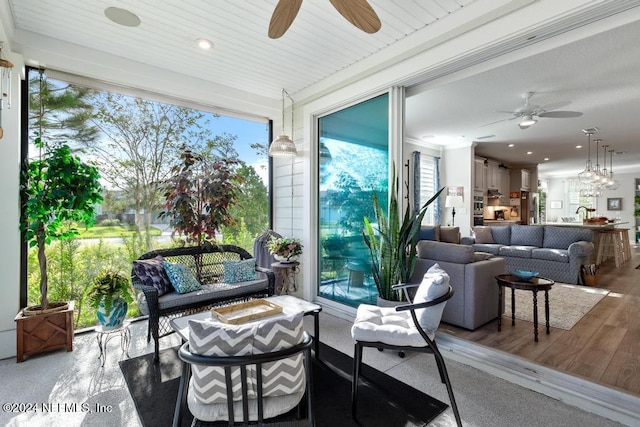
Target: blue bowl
pixel 525 276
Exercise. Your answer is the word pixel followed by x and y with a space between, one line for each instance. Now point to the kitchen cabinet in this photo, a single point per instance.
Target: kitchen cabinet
pixel 479 175
pixel 493 175
pixel 520 180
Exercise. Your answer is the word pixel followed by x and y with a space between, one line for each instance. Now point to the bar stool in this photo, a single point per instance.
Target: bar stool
pixel 610 246
pixel 626 246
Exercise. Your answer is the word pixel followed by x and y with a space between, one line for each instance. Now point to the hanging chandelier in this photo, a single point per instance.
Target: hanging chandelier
pixel 587 175
pixel 283 146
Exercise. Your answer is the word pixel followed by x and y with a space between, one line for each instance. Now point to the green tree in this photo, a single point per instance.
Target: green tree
pixel 252 207
pixel 64 113
pixel 141 145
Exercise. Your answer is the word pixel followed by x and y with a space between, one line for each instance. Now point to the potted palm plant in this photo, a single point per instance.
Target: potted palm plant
pixel 110 294
pixel 392 242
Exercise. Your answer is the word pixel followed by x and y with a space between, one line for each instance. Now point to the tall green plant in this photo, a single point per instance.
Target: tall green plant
pixel 392 243
pixel 56 189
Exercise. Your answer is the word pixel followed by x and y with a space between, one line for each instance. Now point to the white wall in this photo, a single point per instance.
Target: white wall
pixel 9 215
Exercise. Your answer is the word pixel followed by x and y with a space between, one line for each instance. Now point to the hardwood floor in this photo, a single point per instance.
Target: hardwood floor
pixel 603 347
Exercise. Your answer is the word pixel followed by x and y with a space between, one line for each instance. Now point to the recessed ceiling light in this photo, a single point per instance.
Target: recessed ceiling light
pixel 529 152
pixel 578 146
pixel 204 44
pixel 546 159
pixel 122 16
pixel 511 145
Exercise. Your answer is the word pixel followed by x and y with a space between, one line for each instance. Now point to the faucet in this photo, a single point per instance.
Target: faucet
pixel 586 211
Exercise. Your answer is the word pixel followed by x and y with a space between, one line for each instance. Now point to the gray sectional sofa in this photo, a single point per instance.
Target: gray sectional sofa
pixel 557 253
pixel 475 298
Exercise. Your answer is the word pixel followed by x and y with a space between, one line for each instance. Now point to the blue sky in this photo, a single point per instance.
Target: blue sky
pixel 248 132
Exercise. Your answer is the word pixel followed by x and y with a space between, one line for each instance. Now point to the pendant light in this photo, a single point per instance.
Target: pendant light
pixel 586 176
pixel 613 183
pixel 283 146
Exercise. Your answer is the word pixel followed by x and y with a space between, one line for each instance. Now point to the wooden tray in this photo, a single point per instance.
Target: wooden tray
pixel 245 311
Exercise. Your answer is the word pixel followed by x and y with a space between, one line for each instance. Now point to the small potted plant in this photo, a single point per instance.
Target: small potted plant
pixel 285 249
pixel 109 293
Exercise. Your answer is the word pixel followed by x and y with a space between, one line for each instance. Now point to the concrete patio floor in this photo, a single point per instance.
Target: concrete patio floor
pixel 82 393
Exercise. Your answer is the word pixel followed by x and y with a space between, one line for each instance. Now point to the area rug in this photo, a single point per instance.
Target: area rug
pixel 382 400
pixel 567 304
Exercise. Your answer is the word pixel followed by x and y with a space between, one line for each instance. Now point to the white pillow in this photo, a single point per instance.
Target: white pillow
pixel 435 284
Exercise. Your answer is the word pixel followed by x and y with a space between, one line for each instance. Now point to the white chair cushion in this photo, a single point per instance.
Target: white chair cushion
pixel 435 283
pixel 386 325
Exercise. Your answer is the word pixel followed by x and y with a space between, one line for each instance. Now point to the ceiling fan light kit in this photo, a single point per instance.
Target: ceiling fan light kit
pixel 527 121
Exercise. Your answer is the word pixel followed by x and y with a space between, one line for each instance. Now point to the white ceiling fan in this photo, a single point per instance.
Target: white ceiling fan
pixel 358 12
pixel 528 114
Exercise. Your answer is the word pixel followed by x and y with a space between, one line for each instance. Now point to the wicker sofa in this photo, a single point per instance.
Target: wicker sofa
pixel 209 265
pixel 557 253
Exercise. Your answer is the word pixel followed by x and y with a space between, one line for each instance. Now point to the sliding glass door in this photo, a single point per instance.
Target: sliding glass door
pixel 354 162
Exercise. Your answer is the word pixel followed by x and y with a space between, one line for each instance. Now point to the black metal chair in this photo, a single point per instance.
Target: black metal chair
pixel 406 335
pixel 251 376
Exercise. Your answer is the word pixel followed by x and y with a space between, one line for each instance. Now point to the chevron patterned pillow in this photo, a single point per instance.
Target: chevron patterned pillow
pixel 220 339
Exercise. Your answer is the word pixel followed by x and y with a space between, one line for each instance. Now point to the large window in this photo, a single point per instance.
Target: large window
pixel 354 162
pixel 137 144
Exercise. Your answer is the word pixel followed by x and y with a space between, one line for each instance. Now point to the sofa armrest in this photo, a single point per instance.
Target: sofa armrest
pixel 467 240
pixel 580 249
pixel 271 277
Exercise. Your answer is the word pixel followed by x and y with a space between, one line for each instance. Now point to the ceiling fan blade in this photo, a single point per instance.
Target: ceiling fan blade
pixel 560 114
pixel 359 13
pixel 283 16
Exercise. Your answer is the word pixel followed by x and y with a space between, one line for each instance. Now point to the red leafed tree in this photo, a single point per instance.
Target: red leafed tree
pixel 199 195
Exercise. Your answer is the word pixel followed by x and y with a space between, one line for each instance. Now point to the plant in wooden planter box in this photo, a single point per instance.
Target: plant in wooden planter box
pixel 56 190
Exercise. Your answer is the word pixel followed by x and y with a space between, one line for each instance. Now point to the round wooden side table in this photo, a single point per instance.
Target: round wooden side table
pixel 534 285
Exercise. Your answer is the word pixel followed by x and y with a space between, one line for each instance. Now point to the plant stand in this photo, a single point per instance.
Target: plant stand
pixel 44 332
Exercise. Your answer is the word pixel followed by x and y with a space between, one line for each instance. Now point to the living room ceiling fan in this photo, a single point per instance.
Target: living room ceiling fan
pixel 358 12
pixel 528 114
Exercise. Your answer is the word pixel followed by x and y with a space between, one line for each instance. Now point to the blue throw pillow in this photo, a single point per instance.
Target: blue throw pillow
pixel 181 277
pixel 427 233
pixel 239 271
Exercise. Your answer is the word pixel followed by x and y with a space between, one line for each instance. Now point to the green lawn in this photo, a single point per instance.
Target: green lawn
pixel 97 232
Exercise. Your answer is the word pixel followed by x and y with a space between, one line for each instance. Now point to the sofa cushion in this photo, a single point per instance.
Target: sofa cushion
pixel 239 271
pixel 527 235
pixel 441 251
pixel 429 232
pixel 450 234
pixel 501 234
pixel 562 237
pixel 435 284
pixel 481 256
pixel 516 251
pixel 482 235
pixel 151 273
pixel 181 277
pixel 559 255
pixel 492 248
pixel 214 338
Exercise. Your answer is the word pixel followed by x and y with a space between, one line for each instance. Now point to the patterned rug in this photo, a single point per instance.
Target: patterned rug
pixel 567 304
